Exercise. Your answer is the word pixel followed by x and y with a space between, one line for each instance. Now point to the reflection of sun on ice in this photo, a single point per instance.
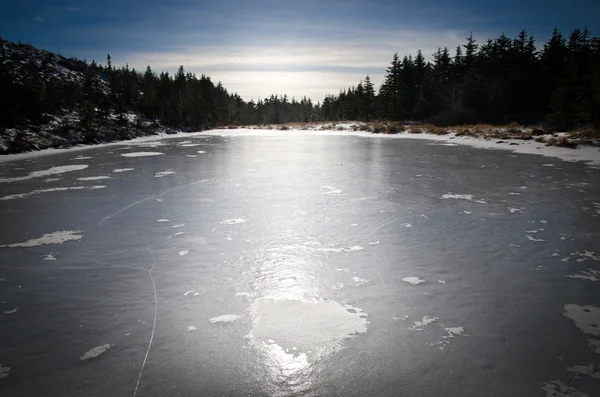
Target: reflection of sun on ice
pixel 293 334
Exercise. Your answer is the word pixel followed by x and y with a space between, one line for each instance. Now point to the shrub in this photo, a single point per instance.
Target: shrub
pixel 284 128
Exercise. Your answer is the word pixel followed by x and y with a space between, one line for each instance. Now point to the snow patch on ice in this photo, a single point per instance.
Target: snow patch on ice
pixel 533 238
pixel 162 220
pixel 118 170
pixel 49 257
pixel 57 237
pixel 349 249
pixel 594 344
pixel 13 311
pixel 177 234
pixel 164 173
pixel 407 225
pixel 51 171
pixel 557 388
pixel 81 158
pixel 233 221
pixel 178 226
pixel 515 210
pixel 374 243
pixel 201 151
pixel 4 371
pixel 359 281
pixel 588 370
pixel 586 318
pixel 413 280
pixel 458 196
pixel 191 328
pixel 95 352
pixel 56 189
pixel 226 318
pixel 590 274
pixel 442 281
pixel 331 190
pixel 183 253
pixel 419 325
pixel 93 178
pixel 142 154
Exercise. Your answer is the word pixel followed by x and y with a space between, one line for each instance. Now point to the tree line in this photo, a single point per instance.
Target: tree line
pixel 502 80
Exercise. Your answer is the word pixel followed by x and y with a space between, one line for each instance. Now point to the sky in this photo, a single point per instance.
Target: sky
pixel 261 47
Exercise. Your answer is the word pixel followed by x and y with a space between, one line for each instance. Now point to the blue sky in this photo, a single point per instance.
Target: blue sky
pixel 256 48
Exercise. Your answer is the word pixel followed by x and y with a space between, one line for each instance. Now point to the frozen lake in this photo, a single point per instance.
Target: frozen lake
pixel 298 265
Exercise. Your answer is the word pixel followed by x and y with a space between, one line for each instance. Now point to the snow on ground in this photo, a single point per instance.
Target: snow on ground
pixel 588 154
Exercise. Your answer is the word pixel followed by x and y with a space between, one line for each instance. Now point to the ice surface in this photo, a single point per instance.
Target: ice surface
pixel 594 344
pixel 178 226
pixel 117 170
pixel 533 238
pixel 95 352
pixel 331 190
pixel 13 311
pixel 590 274
pixel 57 237
pixel 162 220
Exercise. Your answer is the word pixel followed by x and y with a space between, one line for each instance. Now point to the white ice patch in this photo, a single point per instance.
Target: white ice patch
pixel 191 328
pixel 49 257
pixel 162 220
pixel 81 158
pixel 419 325
pixel 183 253
pixel 190 144
pixel 374 243
pixel 95 352
pixel 467 212
pixel 226 318
pixel 588 370
pixel 193 293
pixel 515 210
pixel 315 328
pixel 442 281
pixel 177 234
pixel 543 221
pixel 164 173
pixel 548 165
pixel 51 179
pixel 533 238
pixel 586 318
pixel 233 221
pixel 142 154
pixel 118 170
pixel 514 194
pixel 413 280
pixel 201 151
pixel 4 371
pixel 359 281
pixel 93 178
pixel 190 155
pixel 57 237
pixel 590 274
pixel 177 226
pixel 13 311
pixel 557 388
pixel 407 225
pixel 354 224
pixel 56 189
pixel 243 294
pixel 331 190
pixel 594 344
pixel 51 171
pixel 458 196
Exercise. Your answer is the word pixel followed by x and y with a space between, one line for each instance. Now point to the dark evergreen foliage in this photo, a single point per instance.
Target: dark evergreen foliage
pixel 500 80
